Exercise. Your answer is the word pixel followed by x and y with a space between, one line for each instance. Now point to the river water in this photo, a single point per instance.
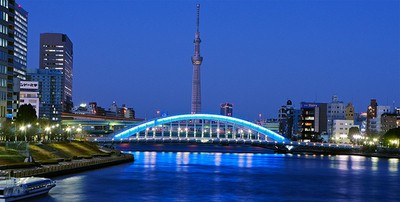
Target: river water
pixel 191 176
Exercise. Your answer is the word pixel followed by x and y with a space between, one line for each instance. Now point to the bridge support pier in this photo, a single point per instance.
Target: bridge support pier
pixel 170 130
pixel 202 128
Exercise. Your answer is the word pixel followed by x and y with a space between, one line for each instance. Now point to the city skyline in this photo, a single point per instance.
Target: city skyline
pixel 259 54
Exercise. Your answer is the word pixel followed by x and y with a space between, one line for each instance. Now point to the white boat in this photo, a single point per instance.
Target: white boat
pixel 12 189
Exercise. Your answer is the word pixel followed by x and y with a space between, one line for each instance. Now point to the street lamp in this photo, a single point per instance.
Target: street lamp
pixel 79 130
pixel 69 133
pixel 52 127
pixel 27 127
pixel 22 128
pixel 47 129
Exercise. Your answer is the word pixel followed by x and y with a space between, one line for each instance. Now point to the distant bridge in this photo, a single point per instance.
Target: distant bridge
pixel 207 129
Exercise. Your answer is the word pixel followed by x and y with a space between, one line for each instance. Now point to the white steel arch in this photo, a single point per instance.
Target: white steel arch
pixel 187 117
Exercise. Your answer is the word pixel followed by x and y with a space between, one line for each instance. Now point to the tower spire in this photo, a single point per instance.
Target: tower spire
pixel 198 17
pixel 196 61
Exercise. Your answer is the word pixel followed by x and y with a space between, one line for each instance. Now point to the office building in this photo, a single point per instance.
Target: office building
pixel 340 133
pixel 371 114
pixel 313 121
pixel 226 109
pixel 29 94
pixel 126 112
pixel 380 111
pixel 13 48
pixel 56 53
pixel 336 111
pixel 50 90
pixel 286 120
pixel 388 121
pixel 20 42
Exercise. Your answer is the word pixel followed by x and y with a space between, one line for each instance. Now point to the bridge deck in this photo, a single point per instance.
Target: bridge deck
pixel 221 141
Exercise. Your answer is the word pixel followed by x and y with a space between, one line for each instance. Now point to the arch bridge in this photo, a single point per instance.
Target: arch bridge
pixel 207 128
pixel 198 127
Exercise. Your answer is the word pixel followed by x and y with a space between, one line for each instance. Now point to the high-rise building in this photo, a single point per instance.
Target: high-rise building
pixel 4 56
pixel 371 114
pixel 226 109
pixel 56 52
pixel 196 61
pixel 313 120
pixel 13 48
pixel 50 90
pixel 286 119
pixel 336 111
pixel 20 42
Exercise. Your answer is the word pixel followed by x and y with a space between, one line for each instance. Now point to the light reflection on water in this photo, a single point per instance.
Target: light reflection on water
pixel 184 176
pixel 393 165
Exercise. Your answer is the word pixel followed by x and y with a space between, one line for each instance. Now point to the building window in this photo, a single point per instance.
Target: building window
pixel 3 43
pixel 4 3
pixel 4 16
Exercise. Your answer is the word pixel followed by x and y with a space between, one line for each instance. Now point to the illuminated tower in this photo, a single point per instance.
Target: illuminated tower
pixel 196 61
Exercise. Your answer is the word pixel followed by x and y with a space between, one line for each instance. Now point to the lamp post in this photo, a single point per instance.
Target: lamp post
pixel 47 129
pixel 69 133
pixel 79 130
pixel 22 128
pixel 27 127
pixel 52 127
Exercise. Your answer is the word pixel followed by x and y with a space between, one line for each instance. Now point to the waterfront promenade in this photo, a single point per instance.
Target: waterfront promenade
pixel 73 166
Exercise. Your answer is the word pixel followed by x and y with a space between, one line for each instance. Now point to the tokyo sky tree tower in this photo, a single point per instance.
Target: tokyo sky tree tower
pixel 196 61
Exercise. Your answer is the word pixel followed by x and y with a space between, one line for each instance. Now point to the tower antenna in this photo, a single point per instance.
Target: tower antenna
pixel 196 61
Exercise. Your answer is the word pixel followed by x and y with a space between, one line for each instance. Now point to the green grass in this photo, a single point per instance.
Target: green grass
pixel 52 153
pixel 40 154
pixel 9 156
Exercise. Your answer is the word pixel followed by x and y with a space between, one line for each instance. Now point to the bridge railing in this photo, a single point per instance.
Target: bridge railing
pixel 221 140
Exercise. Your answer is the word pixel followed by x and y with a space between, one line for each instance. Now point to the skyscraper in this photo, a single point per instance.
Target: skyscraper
pixel 4 58
pixel 13 49
pixel 56 52
pixel 50 90
pixel 196 61
pixel 20 44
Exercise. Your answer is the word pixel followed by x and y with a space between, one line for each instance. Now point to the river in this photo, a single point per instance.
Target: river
pixel 202 176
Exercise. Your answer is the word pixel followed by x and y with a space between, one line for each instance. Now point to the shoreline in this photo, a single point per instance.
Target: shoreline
pixel 156 147
pixel 75 166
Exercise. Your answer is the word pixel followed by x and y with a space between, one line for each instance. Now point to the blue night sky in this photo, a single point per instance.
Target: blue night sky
pixel 257 54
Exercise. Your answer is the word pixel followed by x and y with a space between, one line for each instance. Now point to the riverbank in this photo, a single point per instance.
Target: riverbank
pixel 74 166
pixel 53 159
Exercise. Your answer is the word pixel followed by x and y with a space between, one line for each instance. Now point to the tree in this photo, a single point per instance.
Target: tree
pixel 391 137
pixel 26 114
pixel 353 131
pixel 7 131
